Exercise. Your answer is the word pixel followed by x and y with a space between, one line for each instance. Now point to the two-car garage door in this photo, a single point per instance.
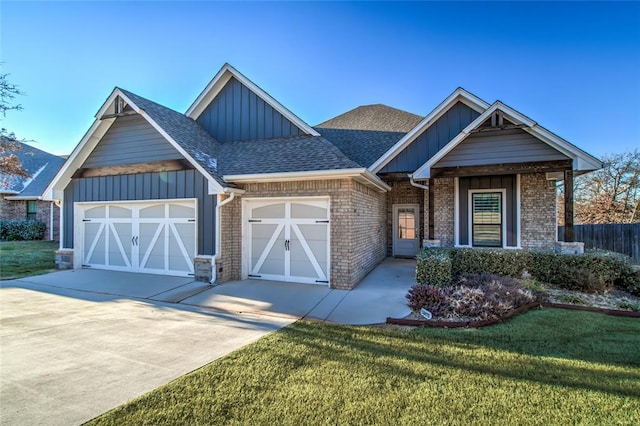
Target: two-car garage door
pixel 152 237
pixel 288 239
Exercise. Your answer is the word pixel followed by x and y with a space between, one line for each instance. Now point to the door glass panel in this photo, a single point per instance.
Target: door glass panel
pixel 306 211
pixel 272 211
pixel 119 212
pixel 184 212
pixel 406 224
pixel 95 212
pixel 153 211
pixel 487 219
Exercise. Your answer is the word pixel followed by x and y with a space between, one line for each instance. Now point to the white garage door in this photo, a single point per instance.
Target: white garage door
pixel 153 237
pixel 289 240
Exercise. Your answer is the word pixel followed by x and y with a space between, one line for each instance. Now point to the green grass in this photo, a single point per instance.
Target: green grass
pixel 548 366
pixel 24 258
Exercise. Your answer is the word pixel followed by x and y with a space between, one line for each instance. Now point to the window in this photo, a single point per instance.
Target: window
pixel 406 224
pixel 486 219
pixel 32 209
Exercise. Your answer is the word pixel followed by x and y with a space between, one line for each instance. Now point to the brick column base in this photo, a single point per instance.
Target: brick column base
pixel 64 259
pixel 203 268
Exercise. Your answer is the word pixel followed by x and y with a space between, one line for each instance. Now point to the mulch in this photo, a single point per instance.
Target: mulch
pixel 521 309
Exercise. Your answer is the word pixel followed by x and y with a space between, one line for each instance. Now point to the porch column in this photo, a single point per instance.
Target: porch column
pixel 432 215
pixel 568 206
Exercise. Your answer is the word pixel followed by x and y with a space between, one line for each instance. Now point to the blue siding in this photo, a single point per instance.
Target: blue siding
pixel 432 140
pixel 507 182
pixel 238 114
pixel 129 140
pixel 497 147
pixel 145 187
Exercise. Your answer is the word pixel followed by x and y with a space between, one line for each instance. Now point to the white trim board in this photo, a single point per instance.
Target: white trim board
pixel 218 82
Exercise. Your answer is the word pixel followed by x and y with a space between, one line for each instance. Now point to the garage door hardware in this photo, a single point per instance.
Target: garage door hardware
pixel 254 220
pixel 86 220
pixel 134 241
pixel 324 282
pixel 286 245
pixel 255 276
pixel 322 221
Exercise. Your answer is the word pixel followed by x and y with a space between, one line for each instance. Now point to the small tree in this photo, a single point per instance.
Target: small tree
pixel 10 165
pixel 611 194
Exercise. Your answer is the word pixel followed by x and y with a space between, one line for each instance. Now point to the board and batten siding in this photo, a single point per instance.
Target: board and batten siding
pixel 432 140
pixel 238 114
pixel 129 140
pixel 499 147
pixel 145 187
pixel 507 182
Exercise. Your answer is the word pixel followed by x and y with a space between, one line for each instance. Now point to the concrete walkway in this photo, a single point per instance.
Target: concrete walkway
pixel 74 344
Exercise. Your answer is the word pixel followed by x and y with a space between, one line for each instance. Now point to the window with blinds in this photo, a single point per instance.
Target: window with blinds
pixel 487 219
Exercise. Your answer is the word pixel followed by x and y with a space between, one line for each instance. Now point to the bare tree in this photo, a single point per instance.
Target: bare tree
pixel 10 165
pixel 611 194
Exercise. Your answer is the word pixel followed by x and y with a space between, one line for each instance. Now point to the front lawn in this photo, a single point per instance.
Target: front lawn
pixel 24 258
pixel 547 366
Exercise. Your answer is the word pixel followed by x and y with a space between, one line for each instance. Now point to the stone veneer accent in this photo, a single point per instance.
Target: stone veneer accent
pixel 402 192
pixel 443 200
pixel 64 259
pixel 358 227
pixel 17 210
pixel 537 212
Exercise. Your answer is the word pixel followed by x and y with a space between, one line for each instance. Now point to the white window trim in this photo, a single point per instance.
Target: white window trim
pixel 503 191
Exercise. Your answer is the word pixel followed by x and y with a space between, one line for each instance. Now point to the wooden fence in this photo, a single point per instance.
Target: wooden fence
pixel 619 237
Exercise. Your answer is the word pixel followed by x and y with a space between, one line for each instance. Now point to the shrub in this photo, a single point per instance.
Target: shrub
pixel 432 297
pixel 481 296
pixel 433 267
pixel 15 230
pixel 510 263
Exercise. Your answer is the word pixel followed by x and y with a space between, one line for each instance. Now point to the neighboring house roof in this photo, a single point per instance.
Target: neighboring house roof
pixel 376 117
pixel 362 146
pixel 40 165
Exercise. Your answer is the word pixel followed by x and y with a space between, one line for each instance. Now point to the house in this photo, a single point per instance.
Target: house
pixel 21 197
pixel 240 187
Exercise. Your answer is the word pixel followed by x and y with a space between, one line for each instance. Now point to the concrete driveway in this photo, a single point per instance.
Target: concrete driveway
pixel 74 344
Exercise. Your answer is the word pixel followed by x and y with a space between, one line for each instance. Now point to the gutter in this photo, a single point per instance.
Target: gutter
pixel 416 184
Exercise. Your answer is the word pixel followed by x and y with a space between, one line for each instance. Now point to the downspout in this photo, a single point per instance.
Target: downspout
pixel 51 220
pixel 218 239
pixel 416 184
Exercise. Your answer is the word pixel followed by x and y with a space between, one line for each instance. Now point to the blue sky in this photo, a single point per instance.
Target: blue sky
pixel 573 67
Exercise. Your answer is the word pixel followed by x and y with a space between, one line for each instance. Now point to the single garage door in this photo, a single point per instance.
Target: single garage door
pixel 152 237
pixel 289 240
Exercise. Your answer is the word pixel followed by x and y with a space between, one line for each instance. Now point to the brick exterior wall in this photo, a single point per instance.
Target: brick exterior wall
pixel 357 228
pixel 17 210
pixel 443 201
pixel 402 192
pixel 537 212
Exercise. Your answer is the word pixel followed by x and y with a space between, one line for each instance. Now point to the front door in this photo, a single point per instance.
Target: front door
pixel 406 226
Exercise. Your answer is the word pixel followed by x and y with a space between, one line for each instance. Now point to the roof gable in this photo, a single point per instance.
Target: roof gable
pixel 218 84
pixel 40 165
pixel 458 95
pixel 582 161
pixel 184 134
pixel 377 117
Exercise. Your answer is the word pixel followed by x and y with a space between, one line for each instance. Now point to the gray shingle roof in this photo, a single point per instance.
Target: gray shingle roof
pixel 42 167
pixel 362 146
pixel 297 154
pixel 376 117
pixel 199 144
